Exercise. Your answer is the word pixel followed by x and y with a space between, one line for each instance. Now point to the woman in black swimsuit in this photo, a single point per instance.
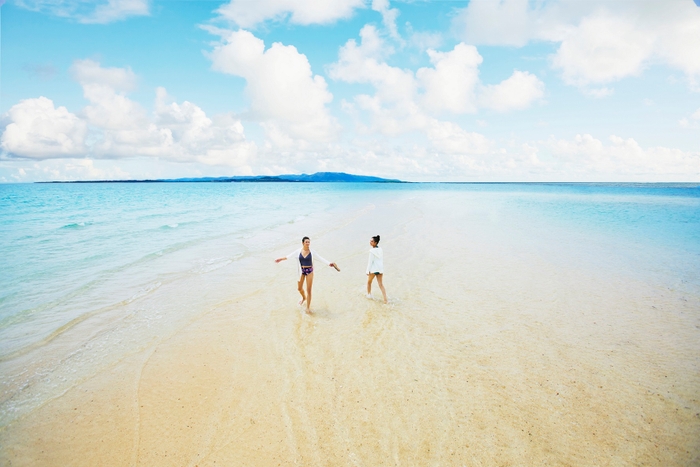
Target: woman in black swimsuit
pixel 306 258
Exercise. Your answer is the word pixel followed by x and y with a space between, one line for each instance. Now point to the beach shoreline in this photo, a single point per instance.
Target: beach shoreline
pixel 488 353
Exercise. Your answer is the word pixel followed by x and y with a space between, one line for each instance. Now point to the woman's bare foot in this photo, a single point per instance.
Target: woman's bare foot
pixel 308 311
pixel 301 302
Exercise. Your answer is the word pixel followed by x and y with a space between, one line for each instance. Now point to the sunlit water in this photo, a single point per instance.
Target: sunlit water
pixel 553 309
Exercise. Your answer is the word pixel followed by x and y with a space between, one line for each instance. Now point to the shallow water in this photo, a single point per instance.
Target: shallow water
pixel 527 324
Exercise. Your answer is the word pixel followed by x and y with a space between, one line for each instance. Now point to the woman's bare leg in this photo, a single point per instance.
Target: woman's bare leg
pixel 370 278
pixel 381 286
pixel 309 284
pixel 300 285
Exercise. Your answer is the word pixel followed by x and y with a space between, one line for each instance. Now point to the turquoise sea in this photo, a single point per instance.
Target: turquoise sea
pixel 73 249
pixel 92 256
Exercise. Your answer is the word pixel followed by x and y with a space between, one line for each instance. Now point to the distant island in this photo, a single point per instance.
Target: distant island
pixel 334 177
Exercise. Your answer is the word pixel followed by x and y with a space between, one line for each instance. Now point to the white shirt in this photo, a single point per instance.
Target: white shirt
pixel 376 261
pixel 314 256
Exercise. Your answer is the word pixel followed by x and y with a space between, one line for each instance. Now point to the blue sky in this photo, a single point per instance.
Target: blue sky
pixel 481 90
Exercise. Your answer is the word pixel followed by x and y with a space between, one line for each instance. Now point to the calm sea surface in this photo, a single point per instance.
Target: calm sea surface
pixel 73 249
pixel 574 305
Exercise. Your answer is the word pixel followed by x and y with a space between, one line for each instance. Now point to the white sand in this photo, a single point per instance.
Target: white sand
pixel 499 347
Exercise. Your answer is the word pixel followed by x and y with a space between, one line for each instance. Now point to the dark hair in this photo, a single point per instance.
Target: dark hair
pixel 376 239
pixel 305 238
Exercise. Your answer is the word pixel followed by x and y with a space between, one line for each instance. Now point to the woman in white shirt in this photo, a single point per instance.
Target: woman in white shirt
pixel 305 269
pixel 375 267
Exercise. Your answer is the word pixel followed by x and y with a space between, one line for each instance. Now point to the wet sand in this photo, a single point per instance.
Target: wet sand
pixel 489 353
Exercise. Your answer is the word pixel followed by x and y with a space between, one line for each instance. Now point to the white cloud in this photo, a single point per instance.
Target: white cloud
pixel 112 126
pixel 395 119
pixel 120 125
pixel 39 130
pixel 101 12
pixel 679 36
pixel 110 110
pixel 622 158
pixel 598 93
pixel 456 154
pixel 403 106
pixel 364 64
pixel 515 93
pixel 450 138
pixel 389 16
pixel 451 84
pixel 280 84
pixel 424 40
pixel 488 22
pixel 392 109
pixel 247 14
pixel 600 41
pixel 179 132
pixel 602 49
pixel 89 72
pixel 115 10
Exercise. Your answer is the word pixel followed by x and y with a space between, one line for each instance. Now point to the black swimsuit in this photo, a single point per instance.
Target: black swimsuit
pixel 306 263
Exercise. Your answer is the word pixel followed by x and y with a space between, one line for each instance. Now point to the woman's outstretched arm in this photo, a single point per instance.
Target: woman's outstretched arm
pixel 284 258
pixel 325 261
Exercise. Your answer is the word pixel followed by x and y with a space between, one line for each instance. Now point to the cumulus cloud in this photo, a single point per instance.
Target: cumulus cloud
pixel 365 63
pixel 450 138
pixel 389 16
pixel 192 135
pixel 451 84
pixel 112 126
pixel 405 107
pixel 120 126
pixel 89 72
pixel 600 41
pixel 115 10
pixel 180 132
pixel 98 12
pixel 515 93
pixel 393 109
pixel 105 89
pixel 404 101
pixel 620 158
pixel 283 91
pixel 488 22
pixel 424 40
pixel 392 119
pixel 39 130
pixel 248 14
pixel 603 48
